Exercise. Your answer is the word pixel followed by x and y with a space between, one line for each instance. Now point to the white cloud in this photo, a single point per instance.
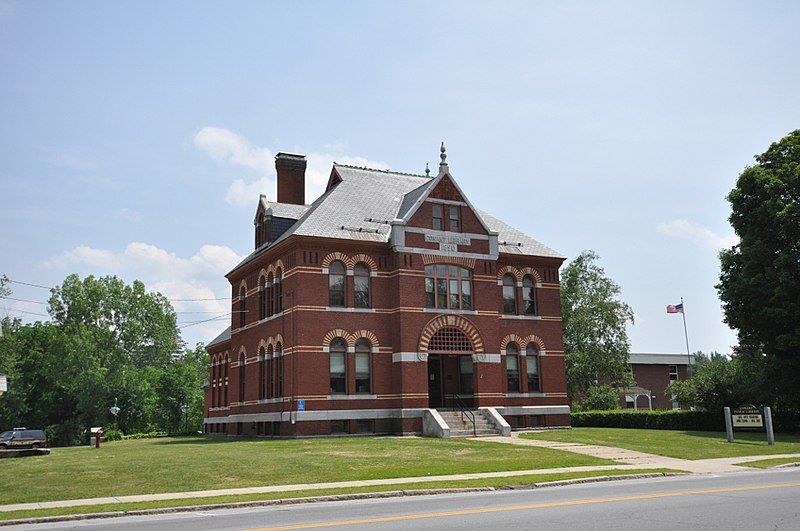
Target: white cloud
pixel 200 276
pixel 230 147
pixel 697 234
pixel 226 146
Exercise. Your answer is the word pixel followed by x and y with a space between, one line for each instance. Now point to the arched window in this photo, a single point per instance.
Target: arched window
pixel 262 373
pixel 512 367
pixel 270 294
pixel 262 298
pixel 271 376
pixel 242 307
pixel 259 230
pixel 241 376
pixel 278 291
pixel 336 272
pixel 532 367
pixel 214 383
pixel 363 366
pixel 509 294
pixel 448 340
pixel 528 295
pixel 279 376
pixel 338 366
pixel 225 363
pixel 361 285
pixel 448 286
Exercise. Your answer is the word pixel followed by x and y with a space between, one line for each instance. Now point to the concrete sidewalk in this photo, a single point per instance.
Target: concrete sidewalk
pixel 627 459
pixel 641 459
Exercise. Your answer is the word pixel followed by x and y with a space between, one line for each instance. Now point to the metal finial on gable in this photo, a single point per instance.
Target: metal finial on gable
pixel 427 170
pixel 443 156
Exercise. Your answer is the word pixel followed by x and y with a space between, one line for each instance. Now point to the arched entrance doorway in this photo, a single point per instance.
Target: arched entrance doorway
pixel 450 369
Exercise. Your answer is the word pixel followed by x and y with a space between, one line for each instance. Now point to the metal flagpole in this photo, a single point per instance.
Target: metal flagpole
pixel 686 335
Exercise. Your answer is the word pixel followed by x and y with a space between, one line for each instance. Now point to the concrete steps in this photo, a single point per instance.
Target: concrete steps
pixel 463 428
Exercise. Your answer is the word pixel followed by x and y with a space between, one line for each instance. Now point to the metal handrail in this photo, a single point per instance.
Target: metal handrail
pixel 465 413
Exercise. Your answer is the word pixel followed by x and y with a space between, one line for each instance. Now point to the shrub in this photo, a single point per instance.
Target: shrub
pixel 112 434
pixel 600 397
pixel 148 435
pixel 651 420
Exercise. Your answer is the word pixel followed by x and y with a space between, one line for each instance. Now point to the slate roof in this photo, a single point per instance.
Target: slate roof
pixel 222 338
pixel 285 210
pixel 381 195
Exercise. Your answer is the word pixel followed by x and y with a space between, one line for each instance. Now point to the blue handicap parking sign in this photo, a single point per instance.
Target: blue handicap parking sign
pixel 301 405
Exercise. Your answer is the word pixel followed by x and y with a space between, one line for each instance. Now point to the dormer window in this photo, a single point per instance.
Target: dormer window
pixel 438 220
pixel 259 230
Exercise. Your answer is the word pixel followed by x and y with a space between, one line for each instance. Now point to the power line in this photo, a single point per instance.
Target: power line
pixel 23 311
pixel 23 300
pixel 172 300
pixel 29 284
pixel 203 321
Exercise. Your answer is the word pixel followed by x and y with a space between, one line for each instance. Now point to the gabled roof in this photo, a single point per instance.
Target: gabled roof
pixel 414 200
pixel 363 201
pixel 224 337
pixel 281 210
pixel 645 358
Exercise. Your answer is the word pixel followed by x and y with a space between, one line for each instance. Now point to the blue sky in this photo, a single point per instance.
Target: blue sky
pixel 135 137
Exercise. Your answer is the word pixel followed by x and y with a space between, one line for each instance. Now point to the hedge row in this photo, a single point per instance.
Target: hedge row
pixel 651 420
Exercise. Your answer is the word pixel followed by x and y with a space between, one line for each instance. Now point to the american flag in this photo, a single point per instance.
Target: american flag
pixel 675 308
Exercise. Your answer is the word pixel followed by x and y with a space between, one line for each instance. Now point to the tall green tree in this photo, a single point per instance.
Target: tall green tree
pixel 760 277
pixel 596 346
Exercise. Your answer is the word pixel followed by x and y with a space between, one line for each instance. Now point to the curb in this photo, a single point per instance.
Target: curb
pixel 788 465
pixel 328 498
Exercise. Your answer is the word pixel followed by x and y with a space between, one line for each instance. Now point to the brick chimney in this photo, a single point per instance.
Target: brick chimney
pixel 291 170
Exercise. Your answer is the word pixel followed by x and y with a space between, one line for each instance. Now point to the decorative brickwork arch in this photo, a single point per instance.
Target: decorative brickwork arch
pixel 263 344
pixel 450 321
pixel 243 284
pixel 532 272
pixel 346 260
pixel 371 264
pixel 366 334
pixel 508 269
pixel 513 338
pixel 333 334
pixel 429 259
pixel 536 340
pixel 262 274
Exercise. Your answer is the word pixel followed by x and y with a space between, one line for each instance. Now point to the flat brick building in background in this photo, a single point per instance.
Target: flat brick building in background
pixel 652 373
pixel 380 306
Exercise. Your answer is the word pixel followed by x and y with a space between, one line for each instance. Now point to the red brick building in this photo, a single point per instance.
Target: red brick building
pixel 380 306
pixel 652 373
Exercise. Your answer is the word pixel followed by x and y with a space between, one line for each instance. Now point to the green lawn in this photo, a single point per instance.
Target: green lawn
pixel 467 483
pixel 671 443
pixel 198 463
pixel 769 463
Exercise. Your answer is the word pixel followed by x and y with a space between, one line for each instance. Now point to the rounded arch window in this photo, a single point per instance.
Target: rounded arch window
pixel 337 353
pixel 278 291
pixel 262 373
pixel 363 366
pixel 512 367
pixel 241 376
pixel 336 278
pixel 532 367
pixel 262 298
pixel 242 307
pixel 270 294
pixel 278 369
pixel 361 274
pixel 450 339
pixel 529 295
pixel 509 294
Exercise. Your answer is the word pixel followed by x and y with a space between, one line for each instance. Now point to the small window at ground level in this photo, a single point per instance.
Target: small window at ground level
pixel 338 426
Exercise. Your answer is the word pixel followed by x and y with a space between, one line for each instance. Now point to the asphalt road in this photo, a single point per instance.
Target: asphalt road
pixel 747 500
